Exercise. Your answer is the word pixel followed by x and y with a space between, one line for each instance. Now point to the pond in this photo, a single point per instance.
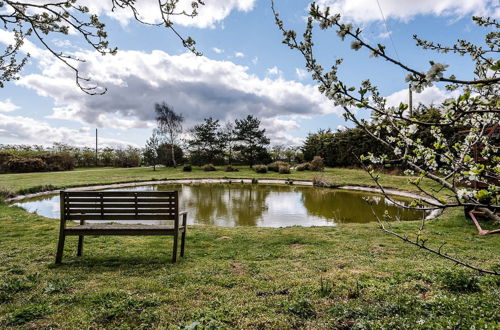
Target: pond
pixel 261 205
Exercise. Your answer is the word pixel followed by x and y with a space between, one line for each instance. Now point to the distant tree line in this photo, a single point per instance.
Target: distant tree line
pixel 63 157
pixel 342 148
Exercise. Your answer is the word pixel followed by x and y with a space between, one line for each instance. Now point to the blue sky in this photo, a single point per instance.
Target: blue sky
pixel 245 69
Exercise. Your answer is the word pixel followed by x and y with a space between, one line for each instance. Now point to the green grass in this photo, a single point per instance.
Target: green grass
pixel 337 176
pixel 349 276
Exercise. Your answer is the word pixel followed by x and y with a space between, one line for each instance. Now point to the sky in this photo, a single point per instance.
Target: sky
pixel 245 69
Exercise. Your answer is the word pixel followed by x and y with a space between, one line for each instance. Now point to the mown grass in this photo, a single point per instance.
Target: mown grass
pixel 349 276
pixel 81 177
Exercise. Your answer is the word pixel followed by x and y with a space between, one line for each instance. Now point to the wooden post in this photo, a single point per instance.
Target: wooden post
pixel 183 236
pixel 176 226
pixel 79 252
pixel 62 228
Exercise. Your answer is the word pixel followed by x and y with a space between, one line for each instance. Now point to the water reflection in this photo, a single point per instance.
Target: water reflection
pixel 260 205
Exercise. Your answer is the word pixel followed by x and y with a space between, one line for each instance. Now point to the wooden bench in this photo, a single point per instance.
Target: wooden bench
pixel 140 206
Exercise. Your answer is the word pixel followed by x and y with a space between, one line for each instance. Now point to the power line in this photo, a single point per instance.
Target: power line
pixel 387 29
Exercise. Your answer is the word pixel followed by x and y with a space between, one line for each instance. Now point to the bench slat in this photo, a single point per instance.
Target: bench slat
pixel 115 217
pixel 120 206
pixel 120 230
pixel 120 193
pixel 120 200
pixel 120 211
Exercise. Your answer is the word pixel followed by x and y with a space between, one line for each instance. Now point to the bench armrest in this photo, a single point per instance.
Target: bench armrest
pixel 183 214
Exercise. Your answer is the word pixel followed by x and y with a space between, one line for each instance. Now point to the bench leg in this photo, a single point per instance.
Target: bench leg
pixel 183 241
pixel 174 252
pixel 60 248
pixel 79 252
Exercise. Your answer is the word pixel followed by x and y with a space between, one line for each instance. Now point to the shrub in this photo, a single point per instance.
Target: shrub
pixel 320 180
pixel 187 168
pixel 209 168
pixel 6 192
pixel 317 164
pixel 275 167
pixel 260 168
pixel 284 169
pixel 22 165
pixel 61 161
pixel 4 157
pixel 231 168
pixel 304 167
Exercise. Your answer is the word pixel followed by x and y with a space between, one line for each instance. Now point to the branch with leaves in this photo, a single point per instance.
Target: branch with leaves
pixel 38 20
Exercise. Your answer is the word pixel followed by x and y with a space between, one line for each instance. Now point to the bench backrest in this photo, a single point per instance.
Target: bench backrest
pixel 119 205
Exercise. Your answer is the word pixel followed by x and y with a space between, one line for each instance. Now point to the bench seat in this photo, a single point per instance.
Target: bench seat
pixel 126 230
pixel 81 209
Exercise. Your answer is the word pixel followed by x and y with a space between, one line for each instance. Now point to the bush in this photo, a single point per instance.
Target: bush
pixel 187 168
pixel 260 168
pixel 317 164
pixel 4 157
pixel 22 165
pixel 209 168
pixel 284 169
pixel 6 192
pixel 304 167
pixel 231 168
pixel 61 161
pixel 275 166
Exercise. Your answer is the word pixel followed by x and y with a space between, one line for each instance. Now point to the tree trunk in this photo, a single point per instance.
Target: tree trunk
pixel 173 154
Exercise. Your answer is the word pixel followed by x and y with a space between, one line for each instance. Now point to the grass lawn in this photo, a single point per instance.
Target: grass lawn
pixel 349 276
pixel 80 177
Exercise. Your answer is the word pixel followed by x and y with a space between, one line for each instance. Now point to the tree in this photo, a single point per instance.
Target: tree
pixel 151 150
pixel 206 143
pixel 251 140
pixel 40 19
pixel 169 125
pixel 456 166
pixel 165 154
pixel 227 138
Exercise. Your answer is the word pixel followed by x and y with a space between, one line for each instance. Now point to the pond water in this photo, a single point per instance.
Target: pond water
pixel 260 205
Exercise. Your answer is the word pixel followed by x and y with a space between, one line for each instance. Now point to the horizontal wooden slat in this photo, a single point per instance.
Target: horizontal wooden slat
pixel 97 230
pixel 121 206
pixel 119 211
pixel 120 200
pixel 119 193
pixel 119 217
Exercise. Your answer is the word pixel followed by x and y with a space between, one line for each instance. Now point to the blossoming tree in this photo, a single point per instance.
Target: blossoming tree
pixel 465 170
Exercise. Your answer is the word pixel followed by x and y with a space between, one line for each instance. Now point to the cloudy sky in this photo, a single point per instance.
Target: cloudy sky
pixel 245 69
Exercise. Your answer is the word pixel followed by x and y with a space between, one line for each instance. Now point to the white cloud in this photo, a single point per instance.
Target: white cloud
pixel 363 11
pixel 274 71
pixel 217 50
pixel 255 60
pixel 431 95
pixel 208 15
pixel 197 87
pixel 279 129
pixel 7 106
pixel 239 54
pixel 28 130
pixel 301 73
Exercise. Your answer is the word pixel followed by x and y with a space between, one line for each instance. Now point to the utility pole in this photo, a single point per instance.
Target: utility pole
pixel 410 103
pixel 96 163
